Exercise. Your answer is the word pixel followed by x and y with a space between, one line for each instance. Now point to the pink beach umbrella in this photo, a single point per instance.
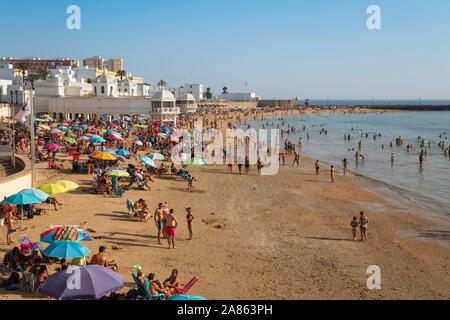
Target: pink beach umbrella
pixel 51 146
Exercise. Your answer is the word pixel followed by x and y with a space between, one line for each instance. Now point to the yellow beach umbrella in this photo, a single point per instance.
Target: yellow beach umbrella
pixel 53 188
pixel 69 185
pixel 43 126
pixel 105 156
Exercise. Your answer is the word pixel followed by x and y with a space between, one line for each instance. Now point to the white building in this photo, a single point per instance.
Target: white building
pixel 164 108
pixel 127 88
pixel 187 103
pixel 245 96
pixel 105 86
pixel 195 89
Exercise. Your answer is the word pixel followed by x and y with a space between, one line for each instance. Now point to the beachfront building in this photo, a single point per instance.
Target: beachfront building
pixel 187 103
pixel 244 96
pixel 127 87
pixel 164 108
pixel 105 86
pixel 36 63
pixel 191 88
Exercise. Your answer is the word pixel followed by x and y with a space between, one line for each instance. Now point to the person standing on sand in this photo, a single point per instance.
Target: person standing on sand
pixel 171 225
pixel 354 225
pixel 259 166
pixel 165 211
pixel 190 217
pixel 345 164
pixel 159 220
pixel 317 166
pixel 9 223
pixel 363 220
pixel 332 174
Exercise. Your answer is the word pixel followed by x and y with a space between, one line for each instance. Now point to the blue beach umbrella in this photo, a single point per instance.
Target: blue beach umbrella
pixel 123 152
pixel 27 196
pixel 97 139
pixel 66 250
pixel 147 161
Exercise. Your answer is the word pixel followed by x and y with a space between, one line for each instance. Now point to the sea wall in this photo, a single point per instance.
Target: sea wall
pixel 18 181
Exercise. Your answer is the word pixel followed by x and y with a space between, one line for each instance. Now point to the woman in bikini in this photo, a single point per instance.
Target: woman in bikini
pixel 363 220
pixel 9 223
pixel 190 217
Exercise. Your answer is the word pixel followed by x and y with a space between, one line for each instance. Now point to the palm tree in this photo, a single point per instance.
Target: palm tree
pixel 23 68
pixel 208 93
pixel 162 83
pixel 121 74
pixel 32 77
pixel 225 89
pixel 44 73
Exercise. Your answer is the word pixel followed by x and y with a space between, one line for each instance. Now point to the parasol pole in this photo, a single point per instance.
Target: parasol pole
pixel 32 121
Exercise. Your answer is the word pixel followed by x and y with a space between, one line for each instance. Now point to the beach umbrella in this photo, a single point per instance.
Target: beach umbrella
pixel 53 188
pixel 66 250
pixel 61 234
pixel 139 143
pixel 27 196
pixel 162 134
pixel 75 128
pixel 118 173
pixel 147 161
pixel 83 138
pixel 115 168
pixel 55 131
pixel 97 139
pixel 69 185
pixel 57 134
pixel 123 152
pixel 39 120
pixel 70 140
pixel 165 128
pixel 51 146
pixel 157 156
pixel 64 233
pixel 94 281
pixel 157 123
pixel 197 130
pixel 105 156
pixel 197 162
pixel 43 126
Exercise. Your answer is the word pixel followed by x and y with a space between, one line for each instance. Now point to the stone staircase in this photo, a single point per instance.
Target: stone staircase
pixel 6 168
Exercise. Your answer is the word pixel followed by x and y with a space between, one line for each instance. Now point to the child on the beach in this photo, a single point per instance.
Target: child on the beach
pixel 354 225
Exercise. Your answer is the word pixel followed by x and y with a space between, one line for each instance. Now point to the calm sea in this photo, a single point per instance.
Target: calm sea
pixel 429 184
pixel 380 102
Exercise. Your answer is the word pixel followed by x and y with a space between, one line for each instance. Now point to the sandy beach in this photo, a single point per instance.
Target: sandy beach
pixel 286 236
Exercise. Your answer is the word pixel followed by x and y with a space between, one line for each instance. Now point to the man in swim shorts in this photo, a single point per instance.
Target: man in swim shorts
pixel 158 221
pixel 171 225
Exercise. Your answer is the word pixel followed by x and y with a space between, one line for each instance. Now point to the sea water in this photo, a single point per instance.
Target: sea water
pixel 428 184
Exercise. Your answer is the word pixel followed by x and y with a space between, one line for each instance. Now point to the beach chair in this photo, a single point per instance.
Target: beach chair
pixel 149 295
pixel 118 192
pixel 28 281
pixel 131 210
pixel 140 290
pixel 26 246
pixel 187 287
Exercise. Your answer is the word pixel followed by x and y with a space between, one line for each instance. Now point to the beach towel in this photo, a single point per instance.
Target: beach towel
pixel 66 234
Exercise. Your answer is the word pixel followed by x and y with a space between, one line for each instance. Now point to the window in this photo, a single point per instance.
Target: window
pixel 95 90
pixel 103 90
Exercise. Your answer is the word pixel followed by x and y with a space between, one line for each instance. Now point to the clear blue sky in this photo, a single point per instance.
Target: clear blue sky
pixel 282 49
